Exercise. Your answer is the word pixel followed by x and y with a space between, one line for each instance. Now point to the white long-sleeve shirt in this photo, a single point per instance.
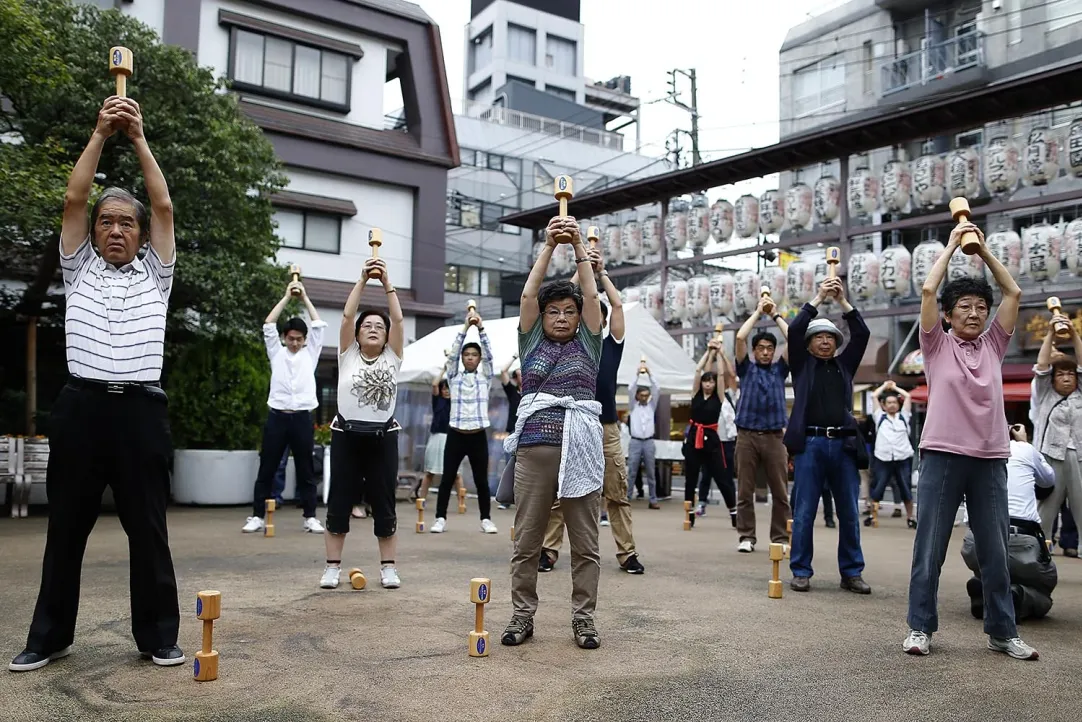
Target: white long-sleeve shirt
pixel 641 416
pixel 1025 468
pixel 293 375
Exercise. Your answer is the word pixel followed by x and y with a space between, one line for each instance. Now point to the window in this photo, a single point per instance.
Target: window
pixel 291 70
pixel 524 81
pixel 512 167
pixel 560 55
pixel 819 86
pixel 450 278
pixel 490 283
pixel 966 44
pixel 521 44
pixel 309 230
pixel 482 92
pixel 560 92
pixel 468 280
pixel 1062 13
pixel 481 51
pixel 473 213
pixel 868 61
pixel 495 162
pixel 969 139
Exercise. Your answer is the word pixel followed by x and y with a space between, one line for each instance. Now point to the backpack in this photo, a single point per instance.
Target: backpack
pixel 884 418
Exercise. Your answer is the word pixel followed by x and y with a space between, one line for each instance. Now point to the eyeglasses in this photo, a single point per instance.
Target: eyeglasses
pixel 980 309
pixel 373 327
pixel 555 313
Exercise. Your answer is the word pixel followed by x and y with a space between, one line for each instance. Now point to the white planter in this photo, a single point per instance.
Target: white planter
pixel 208 476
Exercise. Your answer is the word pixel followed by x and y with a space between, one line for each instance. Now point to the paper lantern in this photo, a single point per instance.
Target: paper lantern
pixel 1040 164
pixel 631 239
pixel 825 198
pixel 1040 252
pixel 676 301
pixel 699 296
pixel 896 186
pixel 863 276
pixel 1000 165
pixel 774 278
pixel 962 265
pixel 798 206
pixel 722 289
pixel 654 301
pixel 863 192
pixel 1074 147
pixel 963 173
pixel 698 221
pixel 924 257
pixel 561 259
pixel 676 228
pixel 799 283
pixel 822 273
pixel 612 244
pixel 1072 242
pixel 771 211
pixel 929 180
pixel 1006 246
pixel 746 216
pixel 651 234
pixel 631 294
pixel 721 220
pixel 895 271
pixel 746 296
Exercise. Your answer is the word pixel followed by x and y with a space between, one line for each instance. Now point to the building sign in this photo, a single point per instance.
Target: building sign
pixel 1033 324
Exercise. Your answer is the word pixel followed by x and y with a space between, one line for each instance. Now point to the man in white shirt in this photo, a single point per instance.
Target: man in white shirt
pixel 291 400
pixel 893 447
pixel 641 425
pixel 1033 573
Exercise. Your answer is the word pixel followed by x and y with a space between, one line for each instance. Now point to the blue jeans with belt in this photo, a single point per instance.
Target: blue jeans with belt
pixel 823 464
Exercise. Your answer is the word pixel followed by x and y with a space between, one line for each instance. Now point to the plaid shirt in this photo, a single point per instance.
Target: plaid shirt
pixel 469 391
pixel 761 406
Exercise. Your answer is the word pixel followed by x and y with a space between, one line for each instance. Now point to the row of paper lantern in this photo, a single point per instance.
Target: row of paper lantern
pixel 895 272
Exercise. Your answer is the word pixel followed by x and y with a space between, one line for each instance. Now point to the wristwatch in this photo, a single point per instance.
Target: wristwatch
pixel 775 317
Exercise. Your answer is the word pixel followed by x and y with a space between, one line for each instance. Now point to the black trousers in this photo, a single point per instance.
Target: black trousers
pixel 364 467
pixel 459 446
pixel 718 466
pixel 727 480
pixel 280 431
pixel 121 440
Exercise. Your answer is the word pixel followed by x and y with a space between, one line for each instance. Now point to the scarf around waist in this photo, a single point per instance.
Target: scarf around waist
pixel 582 462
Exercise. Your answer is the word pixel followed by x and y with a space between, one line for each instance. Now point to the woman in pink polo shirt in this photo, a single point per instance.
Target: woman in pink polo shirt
pixel 965 444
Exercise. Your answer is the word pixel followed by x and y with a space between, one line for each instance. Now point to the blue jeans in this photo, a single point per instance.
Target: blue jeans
pixel 944 480
pixel 825 463
pixel 897 473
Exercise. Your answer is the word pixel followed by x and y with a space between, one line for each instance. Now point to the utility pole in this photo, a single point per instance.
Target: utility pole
pixel 693 109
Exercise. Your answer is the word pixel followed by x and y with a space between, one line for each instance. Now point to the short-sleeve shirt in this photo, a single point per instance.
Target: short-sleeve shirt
pixel 966 414
pixel 441 415
pixel 611 353
pixel 560 369
pixel 367 390
pixel 892 435
pixel 114 323
pixel 761 406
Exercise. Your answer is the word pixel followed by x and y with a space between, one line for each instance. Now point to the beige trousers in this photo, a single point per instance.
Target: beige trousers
pixel 537 470
pixel 614 500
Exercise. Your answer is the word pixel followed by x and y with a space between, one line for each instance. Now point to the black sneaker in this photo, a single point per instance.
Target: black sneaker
pixel 546 562
pixel 28 661
pixel 830 523
pixel 586 635
pixel 633 565
pixel 519 629
pixel 975 590
pixel 911 523
pixel 732 517
pixel 165 657
pixel 896 514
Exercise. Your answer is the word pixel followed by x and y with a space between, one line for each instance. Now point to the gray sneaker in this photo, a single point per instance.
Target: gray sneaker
pixel 519 629
pixel 1013 647
pixel 586 635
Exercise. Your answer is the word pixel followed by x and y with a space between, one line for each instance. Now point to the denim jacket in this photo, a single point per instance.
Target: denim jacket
pixel 1058 419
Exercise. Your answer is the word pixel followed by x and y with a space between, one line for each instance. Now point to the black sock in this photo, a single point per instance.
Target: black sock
pixel 386 562
pixel 331 562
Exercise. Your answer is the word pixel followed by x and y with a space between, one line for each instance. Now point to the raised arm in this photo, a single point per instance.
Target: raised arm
pixel 528 310
pixel 76 225
pixel 486 351
pixel 450 369
pixel 730 372
pixel 929 303
pixel 711 347
pixel 1007 315
pixel 591 300
pixel 161 206
pixel 907 400
pixel 1044 356
pixel 396 335
pixel 505 372
pixel 740 348
pixel 859 333
pixel 346 333
pixel 275 312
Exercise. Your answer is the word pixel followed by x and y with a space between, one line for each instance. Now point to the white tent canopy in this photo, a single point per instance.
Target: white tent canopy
pixel 669 364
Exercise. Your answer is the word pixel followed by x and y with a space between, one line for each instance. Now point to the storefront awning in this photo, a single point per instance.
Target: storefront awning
pixel 1013 392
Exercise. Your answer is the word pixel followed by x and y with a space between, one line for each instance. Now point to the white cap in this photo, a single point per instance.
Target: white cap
pixel 822 325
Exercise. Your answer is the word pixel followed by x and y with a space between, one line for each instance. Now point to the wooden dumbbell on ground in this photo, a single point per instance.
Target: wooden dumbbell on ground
pixel 356 578
pixel 268 528
pixel 208 607
pixel 462 499
pixel 777 553
pixel 420 503
pixel 480 591
pixel 689 515
pixel 512 532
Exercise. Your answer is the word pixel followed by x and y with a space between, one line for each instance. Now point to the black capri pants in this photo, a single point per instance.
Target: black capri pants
pixel 363 465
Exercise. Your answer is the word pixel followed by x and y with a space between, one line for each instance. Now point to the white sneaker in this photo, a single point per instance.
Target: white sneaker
pixel 604 521
pixel 1013 647
pixel 330 578
pixel 253 524
pixel 439 526
pixel 488 527
pixel 311 524
pixel 920 643
pixel 388 578
pixel 746 546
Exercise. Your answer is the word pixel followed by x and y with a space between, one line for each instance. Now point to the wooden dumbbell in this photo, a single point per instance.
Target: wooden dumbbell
pixel 777 553
pixel 295 276
pixel 769 307
pixel 593 236
pixel 471 308
pixel 970 242
pixel 375 240
pixel 564 188
pixel 789 531
pixel 834 257
pixel 268 528
pixel 1062 330
pixel 120 66
pixel 689 515
pixel 208 607
pixel 356 578
pixel 420 503
pixel 512 532
pixel 480 591
pixel 462 499
pixel 875 514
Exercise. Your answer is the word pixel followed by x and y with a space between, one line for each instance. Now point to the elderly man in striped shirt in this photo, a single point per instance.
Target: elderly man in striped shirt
pixel 110 422
pixel 466 437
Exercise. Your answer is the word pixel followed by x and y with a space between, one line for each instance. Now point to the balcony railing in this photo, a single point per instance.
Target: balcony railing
pixel 932 62
pixel 548 126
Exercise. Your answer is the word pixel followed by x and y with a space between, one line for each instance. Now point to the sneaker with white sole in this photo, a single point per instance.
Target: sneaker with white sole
pixel 488 527
pixel 312 525
pixel 1013 647
pixel 700 510
pixel 28 661
pixel 440 526
pixel 604 520
pixel 166 656
pixel 746 546
pixel 253 524
pixel 330 578
pixel 388 578
pixel 919 643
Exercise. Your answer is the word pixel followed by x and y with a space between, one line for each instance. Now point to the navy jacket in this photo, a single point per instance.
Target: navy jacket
pixel 800 362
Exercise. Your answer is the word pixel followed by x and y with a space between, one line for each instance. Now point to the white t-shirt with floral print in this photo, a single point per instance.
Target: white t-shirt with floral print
pixel 367 389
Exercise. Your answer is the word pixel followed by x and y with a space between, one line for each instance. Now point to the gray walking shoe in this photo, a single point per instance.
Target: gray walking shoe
pixel 519 629
pixel 1013 647
pixel 586 635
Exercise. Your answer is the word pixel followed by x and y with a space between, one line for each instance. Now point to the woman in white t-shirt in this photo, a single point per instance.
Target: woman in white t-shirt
pixel 364 439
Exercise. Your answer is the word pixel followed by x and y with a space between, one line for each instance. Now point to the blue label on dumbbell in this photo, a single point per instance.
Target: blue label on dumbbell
pixel 481 646
pixel 118 57
pixel 482 592
pixel 198 606
pixel 563 183
pixel 197 668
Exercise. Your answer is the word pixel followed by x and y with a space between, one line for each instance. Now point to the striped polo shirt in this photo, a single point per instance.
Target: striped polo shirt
pixel 115 319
